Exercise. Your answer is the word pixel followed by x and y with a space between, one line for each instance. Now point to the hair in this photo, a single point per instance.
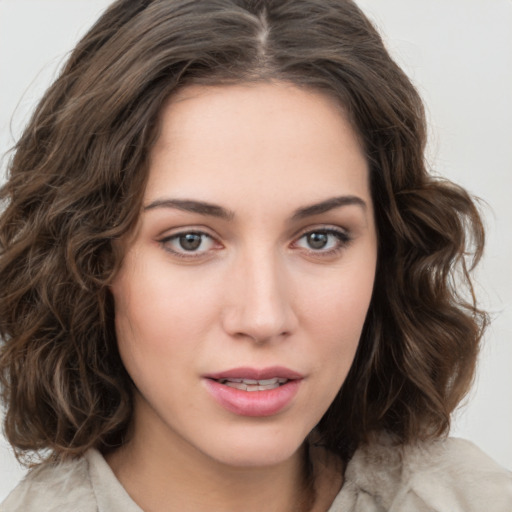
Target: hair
pixel 75 186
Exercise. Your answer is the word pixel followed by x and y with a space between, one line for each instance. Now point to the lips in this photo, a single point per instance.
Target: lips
pixel 254 392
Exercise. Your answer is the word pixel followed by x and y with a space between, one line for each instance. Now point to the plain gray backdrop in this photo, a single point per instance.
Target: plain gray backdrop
pixel 459 55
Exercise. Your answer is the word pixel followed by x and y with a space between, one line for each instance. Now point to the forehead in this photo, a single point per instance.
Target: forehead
pixel 259 141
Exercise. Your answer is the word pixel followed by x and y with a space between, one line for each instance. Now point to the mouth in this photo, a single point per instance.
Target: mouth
pixel 253 379
pixel 252 392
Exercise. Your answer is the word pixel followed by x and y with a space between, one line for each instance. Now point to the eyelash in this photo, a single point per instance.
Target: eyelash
pixel 343 239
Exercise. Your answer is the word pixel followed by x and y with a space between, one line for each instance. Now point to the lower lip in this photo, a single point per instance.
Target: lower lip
pixel 253 403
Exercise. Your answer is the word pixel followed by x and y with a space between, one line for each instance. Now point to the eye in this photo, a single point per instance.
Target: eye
pixel 323 241
pixel 189 243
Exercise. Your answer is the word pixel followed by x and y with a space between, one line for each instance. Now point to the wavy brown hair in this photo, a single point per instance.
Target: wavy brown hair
pixel 75 186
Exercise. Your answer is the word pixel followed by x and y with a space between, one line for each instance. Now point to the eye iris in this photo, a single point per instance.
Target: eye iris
pixel 317 240
pixel 190 241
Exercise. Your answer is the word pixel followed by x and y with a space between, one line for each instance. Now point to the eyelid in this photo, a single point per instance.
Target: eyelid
pixel 185 228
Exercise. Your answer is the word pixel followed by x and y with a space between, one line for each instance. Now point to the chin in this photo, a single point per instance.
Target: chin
pixel 256 447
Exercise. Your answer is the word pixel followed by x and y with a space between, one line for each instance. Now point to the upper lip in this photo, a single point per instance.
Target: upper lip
pixel 256 373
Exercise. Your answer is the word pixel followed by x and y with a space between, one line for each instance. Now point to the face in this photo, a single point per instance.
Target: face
pixel 241 299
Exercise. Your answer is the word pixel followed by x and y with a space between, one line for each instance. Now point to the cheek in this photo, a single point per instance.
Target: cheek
pixel 339 308
pixel 335 318
pixel 160 319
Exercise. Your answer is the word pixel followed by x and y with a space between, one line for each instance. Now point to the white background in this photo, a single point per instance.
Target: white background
pixel 458 53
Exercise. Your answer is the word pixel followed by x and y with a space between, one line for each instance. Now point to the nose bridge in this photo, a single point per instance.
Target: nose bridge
pixel 261 308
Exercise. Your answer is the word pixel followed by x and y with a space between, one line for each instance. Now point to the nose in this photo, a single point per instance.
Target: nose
pixel 259 305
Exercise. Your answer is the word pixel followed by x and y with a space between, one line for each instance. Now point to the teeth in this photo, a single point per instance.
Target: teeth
pixel 268 381
pixel 254 385
pixel 236 385
pixel 253 382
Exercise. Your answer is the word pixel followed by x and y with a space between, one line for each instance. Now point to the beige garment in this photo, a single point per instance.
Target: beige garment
pixel 451 475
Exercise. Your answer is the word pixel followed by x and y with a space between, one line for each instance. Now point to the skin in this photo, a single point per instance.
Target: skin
pixel 255 292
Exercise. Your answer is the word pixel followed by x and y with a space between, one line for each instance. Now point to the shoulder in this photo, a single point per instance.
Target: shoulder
pixel 63 487
pixel 448 475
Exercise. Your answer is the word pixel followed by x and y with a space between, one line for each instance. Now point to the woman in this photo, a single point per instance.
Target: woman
pixel 227 277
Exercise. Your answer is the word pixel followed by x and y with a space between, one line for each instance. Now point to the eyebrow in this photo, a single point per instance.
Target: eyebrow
pixel 189 205
pixel 213 210
pixel 327 205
